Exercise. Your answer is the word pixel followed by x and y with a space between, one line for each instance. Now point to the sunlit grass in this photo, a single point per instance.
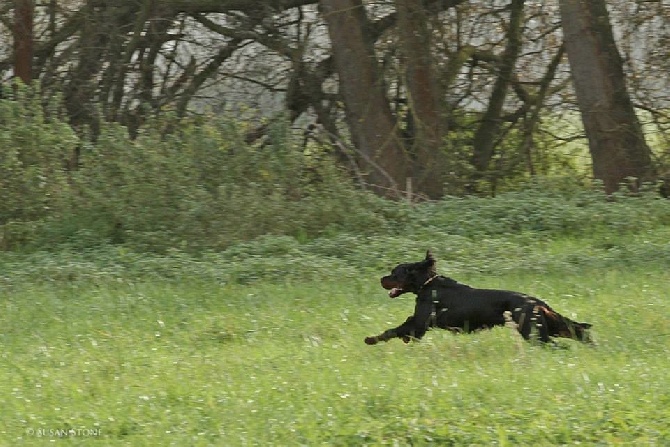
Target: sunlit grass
pixel 191 363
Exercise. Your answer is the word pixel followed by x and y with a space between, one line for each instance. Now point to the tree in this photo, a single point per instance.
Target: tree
pixel 489 129
pixel 373 128
pixel 424 97
pixel 616 140
pixel 23 40
pixel 441 91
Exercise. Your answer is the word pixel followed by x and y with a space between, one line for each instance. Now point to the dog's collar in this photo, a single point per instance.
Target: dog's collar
pixel 428 281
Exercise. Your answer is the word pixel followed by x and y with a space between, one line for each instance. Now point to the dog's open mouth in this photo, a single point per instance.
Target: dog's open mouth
pixel 394 287
pixel 395 292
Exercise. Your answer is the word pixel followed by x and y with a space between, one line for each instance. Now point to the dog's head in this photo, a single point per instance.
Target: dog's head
pixel 409 277
pixel 580 331
pixel 565 327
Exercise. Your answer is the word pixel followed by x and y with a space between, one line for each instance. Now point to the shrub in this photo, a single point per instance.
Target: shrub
pixel 203 188
pixel 34 151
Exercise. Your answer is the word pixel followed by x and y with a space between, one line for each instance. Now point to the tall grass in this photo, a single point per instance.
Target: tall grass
pixel 190 362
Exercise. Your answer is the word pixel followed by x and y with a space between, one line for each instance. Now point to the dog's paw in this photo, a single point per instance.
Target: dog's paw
pixel 406 339
pixel 371 340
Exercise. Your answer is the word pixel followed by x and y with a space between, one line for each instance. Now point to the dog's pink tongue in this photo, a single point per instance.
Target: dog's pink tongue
pixel 394 292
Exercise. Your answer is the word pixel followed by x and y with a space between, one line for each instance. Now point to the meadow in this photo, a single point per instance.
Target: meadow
pixel 262 343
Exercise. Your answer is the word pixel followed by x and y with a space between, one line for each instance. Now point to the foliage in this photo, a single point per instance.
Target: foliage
pixel 34 153
pixel 553 207
pixel 201 188
pixel 105 69
pixel 493 231
pixel 344 257
pixel 509 167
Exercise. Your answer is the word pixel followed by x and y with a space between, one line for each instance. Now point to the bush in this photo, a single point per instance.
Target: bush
pixel 547 211
pixel 33 179
pixel 200 188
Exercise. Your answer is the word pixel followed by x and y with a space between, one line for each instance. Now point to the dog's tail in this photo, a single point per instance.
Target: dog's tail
pixel 560 326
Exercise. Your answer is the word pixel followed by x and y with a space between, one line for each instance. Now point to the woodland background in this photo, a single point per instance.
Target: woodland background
pixel 165 117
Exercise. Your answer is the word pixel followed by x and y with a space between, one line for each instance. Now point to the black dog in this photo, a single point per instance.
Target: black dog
pixel 444 303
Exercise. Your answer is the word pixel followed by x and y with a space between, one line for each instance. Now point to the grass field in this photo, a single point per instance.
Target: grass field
pixel 192 362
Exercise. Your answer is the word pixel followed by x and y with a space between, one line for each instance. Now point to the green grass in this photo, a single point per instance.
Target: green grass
pixel 193 362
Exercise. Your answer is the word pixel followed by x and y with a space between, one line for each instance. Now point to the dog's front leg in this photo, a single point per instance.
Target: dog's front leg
pixel 384 336
pixel 405 331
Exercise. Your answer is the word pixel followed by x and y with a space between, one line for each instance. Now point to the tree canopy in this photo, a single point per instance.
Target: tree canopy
pixel 457 96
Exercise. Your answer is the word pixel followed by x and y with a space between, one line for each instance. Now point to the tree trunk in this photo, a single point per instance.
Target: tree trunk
pixel 616 141
pixel 425 99
pixel 534 105
pixel 489 129
pixel 23 40
pixel 371 123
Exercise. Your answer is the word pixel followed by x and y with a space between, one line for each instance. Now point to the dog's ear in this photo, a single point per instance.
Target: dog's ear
pixel 430 262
